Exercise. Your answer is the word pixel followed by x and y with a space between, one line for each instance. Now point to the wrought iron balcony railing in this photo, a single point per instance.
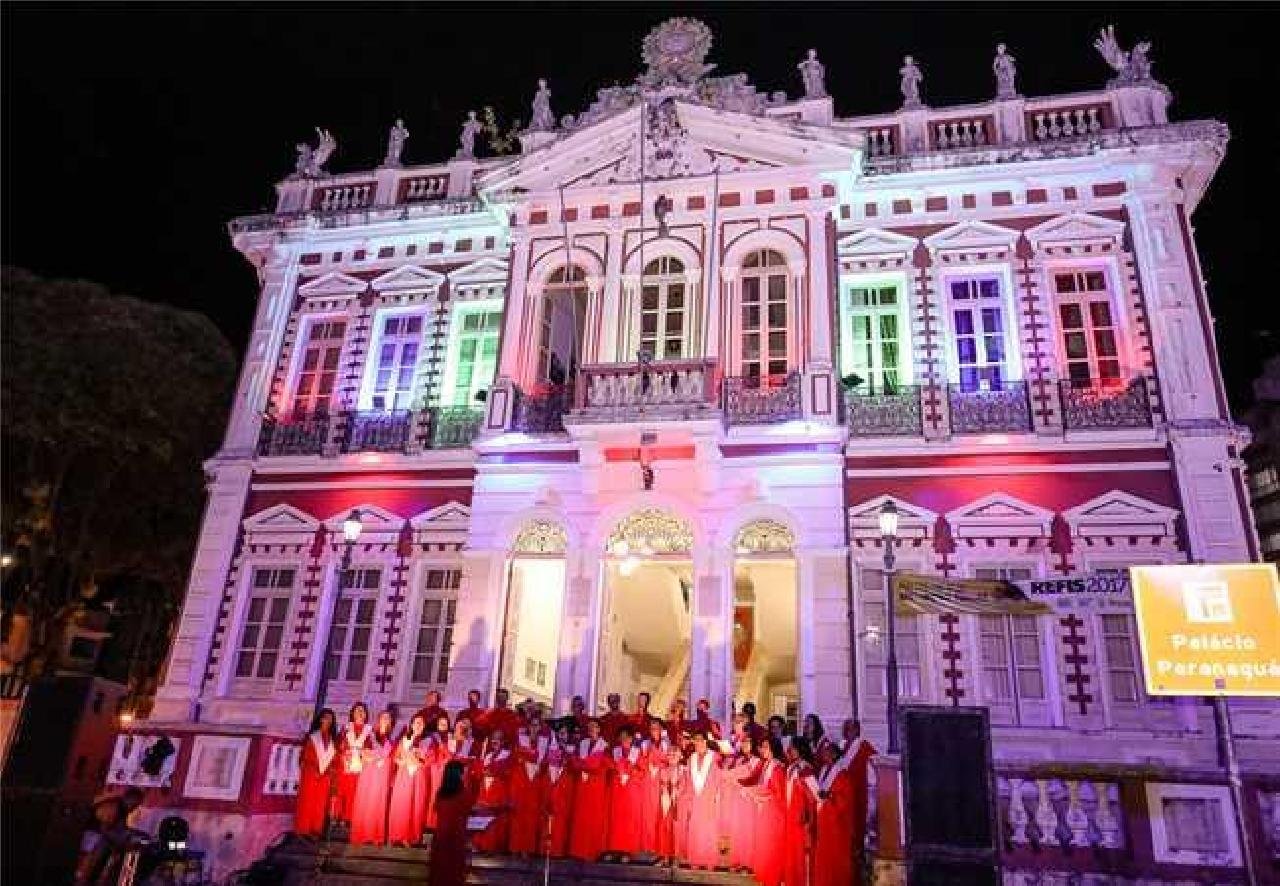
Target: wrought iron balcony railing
pixel 658 389
pixel 542 412
pixel 1003 409
pixel 753 401
pixel 378 431
pixel 454 427
pixel 1092 404
pixel 296 434
pixel 399 431
pixel 892 413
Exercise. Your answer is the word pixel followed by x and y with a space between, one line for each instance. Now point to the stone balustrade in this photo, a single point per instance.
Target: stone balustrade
pixel 1060 811
pixel 967 132
pixel 284 769
pixel 882 141
pixel 1061 123
pixel 356 196
pixel 424 187
pixel 658 389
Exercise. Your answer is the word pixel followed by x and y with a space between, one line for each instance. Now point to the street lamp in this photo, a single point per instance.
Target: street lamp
pixel 889 534
pixel 351 529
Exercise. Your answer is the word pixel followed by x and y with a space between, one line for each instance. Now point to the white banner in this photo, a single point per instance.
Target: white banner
pixel 1104 590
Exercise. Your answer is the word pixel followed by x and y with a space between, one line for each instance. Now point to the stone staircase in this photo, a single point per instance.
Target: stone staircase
pixel 297 862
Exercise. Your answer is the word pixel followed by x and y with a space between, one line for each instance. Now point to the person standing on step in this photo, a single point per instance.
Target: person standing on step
pixel 436 752
pixel 768 848
pixel 699 805
pixel 431 710
pixel 527 784
pixel 373 791
pixel 654 750
pixel 354 741
pixel 494 771
pixel 641 717
pixel 832 856
pixel 591 798
pixel 407 815
pixel 626 796
pixel 501 717
pixel 473 714
pixel 800 796
pixel 557 794
pixel 454 802
pixel 614 719
pixel 737 806
pixel 315 786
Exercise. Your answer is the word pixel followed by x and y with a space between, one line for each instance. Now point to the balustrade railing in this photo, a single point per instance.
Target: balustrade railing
pixel 1059 123
pixel 981 411
pixel 296 434
pixel 751 401
pixel 675 388
pixel 542 412
pixel 424 187
pixel 882 141
pixel 344 197
pixel 378 431
pixel 894 413
pixel 1097 405
pixel 454 427
pixel 1065 811
pixel 963 133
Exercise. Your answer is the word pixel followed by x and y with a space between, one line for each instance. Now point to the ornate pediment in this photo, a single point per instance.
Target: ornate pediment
pixel 486 270
pixel 407 278
pixel 374 519
pixel 875 242
pixel 1118 512
pixel 453 515
pixel 1075 228
pixel 1000 514
pixel 332 284
pixel 970 235
pixel 280 518
pixel 913 520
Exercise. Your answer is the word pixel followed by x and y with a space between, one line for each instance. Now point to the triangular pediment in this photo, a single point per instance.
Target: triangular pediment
pixel 486 270
pixel 972 235
pixel 913 520
pixel 280 518
pixel 1118 510
pixel 331 284
pixel 450 515
pixel 373 519
pixel 706 140
pixel 406 278
pixel 873 242
pixel 1000 514
pixel 1077 227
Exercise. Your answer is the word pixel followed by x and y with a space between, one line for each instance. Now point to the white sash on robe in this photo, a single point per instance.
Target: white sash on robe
pixel 355 743
pixel 324 755
pixel 698 772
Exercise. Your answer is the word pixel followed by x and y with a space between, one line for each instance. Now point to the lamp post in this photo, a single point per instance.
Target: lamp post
pixel 888 534
pixel 351 529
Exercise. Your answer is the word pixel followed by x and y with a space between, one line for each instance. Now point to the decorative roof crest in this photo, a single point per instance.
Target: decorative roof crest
pixel 675 53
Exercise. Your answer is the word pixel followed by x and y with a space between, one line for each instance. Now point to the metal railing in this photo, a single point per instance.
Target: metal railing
pixel 994 410
pixel 542 412
pixel 889 413
pixel 753 400
pixel 1093 404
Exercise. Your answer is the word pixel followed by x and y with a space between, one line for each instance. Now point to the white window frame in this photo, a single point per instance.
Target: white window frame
pixel 906 353
pixel 1158 792
pixel 1119 317
pixel 1024 709
pixel 764 328
pixel 1105 667
pixel 874 671
pixel 406 689
pixel 453 358
pixel 237 746
pixel 338 681
pixel 1010 325
pixel 664 281
pixel 309 322
pixel 400 400
pixel 250 688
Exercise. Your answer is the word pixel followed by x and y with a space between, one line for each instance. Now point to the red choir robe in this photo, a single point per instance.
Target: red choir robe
pixel 475 716
pixel 704 723
pixel 441 751
pixel 351 749
pixel 640 724
pixel 410 790
pixel 448 864
pixel 527 786
pixel 315 785
pixel 369 809
pixel 769 834
pixel 699 803
pixel 655 828
pixel 504 719
pixel 737 808
pixel 833 863
pixel 557 794
pixel 800 796
pixel 495 793
pixel 590 800
pixel 676 728
pixel 856 761
pixel 627 788
pixel 610 723
pixel 430 715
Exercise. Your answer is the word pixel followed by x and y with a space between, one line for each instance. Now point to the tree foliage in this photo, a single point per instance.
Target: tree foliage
pixel 108 405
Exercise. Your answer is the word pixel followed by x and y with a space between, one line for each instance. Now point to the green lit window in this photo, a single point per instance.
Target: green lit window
pixel 874 352
pixel 476 355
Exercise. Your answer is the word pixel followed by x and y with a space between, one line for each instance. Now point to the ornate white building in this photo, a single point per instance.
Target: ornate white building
pixel 618 412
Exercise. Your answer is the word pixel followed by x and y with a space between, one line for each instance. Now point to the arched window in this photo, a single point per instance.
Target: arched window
pixel 765 315
pixel 664 310
pixel 562 319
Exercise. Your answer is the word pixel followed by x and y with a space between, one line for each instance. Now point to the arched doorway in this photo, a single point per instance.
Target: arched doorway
pixel 765 620
pixel 530 653
pixel 646 623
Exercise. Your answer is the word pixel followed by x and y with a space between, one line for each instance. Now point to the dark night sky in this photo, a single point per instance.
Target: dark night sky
pixel 132 133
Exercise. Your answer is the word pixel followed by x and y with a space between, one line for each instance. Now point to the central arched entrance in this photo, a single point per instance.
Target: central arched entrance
pixel 646 622
pixel 530 650
pixel 765 620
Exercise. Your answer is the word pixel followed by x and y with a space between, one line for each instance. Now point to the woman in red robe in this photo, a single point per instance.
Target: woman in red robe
pixel 800 793
pixel 407 817
pixel 527 786
pixel 769 796
pixel 627 788
pixel 369 809
pixel 354 740
pixel 436 754
pixel 832 854
pixel 590 799
pixel 495 792
pixel 557 794
pixel 737 806
pixel 316 783
pixel 699 805
pixel 454 802
pixel 654 838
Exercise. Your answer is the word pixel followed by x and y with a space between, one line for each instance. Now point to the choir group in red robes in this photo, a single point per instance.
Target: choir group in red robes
pixel 621 787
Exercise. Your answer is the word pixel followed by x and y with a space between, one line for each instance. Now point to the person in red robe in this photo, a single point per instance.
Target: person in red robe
pixel 351 746
pixel 431 710
pixel 454 802
pixel 407 815
pixel 626 796
pixel 590 799
pixel 814 732
pixel 473 714
pixel 436 753
pixel 557 793
pixel 316 783
pixel 768 846
pixel 527 785
pixel 801 796
pixel 369 809
pixel 613 719
pixel 501 718
pixel 655 748
pixel 833 863
pixel 579 715
pixel 494 769
pixel 757 732
pixel 737 804
pixel 677 725
pixel 640 717
pixel 699 805
pixel 704 723
pixel 855 759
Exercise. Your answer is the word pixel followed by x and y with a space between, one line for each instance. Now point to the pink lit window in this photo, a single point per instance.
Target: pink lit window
pixel 1089 343
pixel 764 316
pixel 318 371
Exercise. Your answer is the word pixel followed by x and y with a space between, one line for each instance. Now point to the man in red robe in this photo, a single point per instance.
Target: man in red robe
pixel 558 791
pixel 579 715
pixel 702 721
pixel 641 717
pixel 501 716
pixel 474 714
pixel 527 785
pixel 677 725
pixel 699 805
pixel 431 711
pixel 626 796
pixel 753 729
pixel 495 793
pixel 855 759
pixel 833 862
pixel 801 795
pixel 591 798
pixel 614 718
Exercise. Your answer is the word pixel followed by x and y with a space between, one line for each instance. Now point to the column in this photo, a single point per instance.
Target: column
pixel 710 644
pixel 577 651
pixel 824 658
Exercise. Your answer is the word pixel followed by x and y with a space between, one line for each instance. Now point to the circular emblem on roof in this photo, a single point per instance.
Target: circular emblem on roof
pixel 675 51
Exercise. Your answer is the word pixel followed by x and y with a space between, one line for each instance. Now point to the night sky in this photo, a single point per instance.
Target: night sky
pixel 133 133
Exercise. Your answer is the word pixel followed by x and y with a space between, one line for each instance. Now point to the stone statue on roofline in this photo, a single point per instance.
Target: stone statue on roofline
pixel 911 80
pixel 1131 66
pixel 813 73
pixel 542 120
pixel 395 143
pixel 467 138
pixel 311 160
pixel 1005 67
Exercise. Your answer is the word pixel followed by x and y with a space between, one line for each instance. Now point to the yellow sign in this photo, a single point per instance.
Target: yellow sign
pixel 1209 630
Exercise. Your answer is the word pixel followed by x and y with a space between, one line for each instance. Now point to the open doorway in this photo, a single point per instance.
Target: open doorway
pixel 765 621
pixel 530 652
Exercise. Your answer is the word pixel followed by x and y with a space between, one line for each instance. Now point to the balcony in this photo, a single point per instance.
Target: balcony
pixel 401 432
pixel 663 389
pixel 1093 404
pixel 893 413
pixel 297 434
pixel 454 427
pixel 377 431
pixel 542 411
pixel 756 401
pixel 990 411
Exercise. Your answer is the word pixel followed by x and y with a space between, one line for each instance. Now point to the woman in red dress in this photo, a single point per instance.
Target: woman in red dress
pixel 654 749
pixel 454 802
pixel 626 796
pixel 495 792
pixel 699 799
pixel 437 755
pixel 557 794
pixel 316 783
pixel 591 798
pixel 407 816
pixel 800 793
pixel 369 809
pixel 527 787
pixel 354 740
pixel 769 796
pixel 832 854
pixel 737 806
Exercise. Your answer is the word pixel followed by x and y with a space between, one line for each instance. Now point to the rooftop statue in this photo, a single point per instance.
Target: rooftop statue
pixel 911 80
pixel 1131 66
pixel 395 144
pixel 542 120
pixel 467 138
pixel 813 73
pixel 311 160
pixel 1006 70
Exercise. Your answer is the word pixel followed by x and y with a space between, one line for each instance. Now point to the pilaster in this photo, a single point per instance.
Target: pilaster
pixel 477 626
pixel 825 656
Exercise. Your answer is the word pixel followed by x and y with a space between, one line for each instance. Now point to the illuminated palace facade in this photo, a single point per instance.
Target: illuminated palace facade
pixel 619 411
